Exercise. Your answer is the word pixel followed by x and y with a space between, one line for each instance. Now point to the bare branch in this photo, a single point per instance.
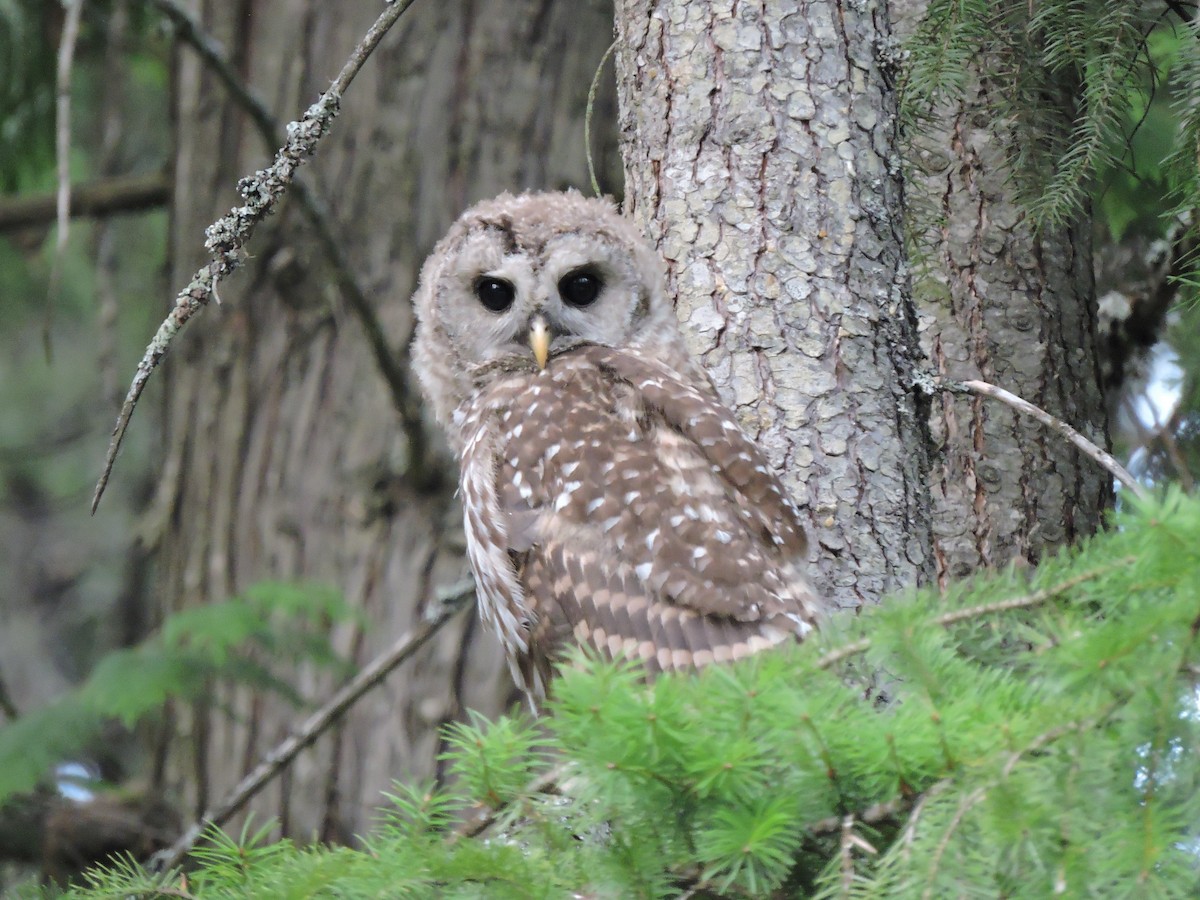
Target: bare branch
pixel 1105 459
pixel 587 118
pixel 62 152
pixel 189 30
pixel 228 235
pixel 449 601
pixel 105 196
pixel 851 841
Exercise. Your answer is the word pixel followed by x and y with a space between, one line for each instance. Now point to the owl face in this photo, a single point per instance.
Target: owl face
pixel 609 497
pixel 519 280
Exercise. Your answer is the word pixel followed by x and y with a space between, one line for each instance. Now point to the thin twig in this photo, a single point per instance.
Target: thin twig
pixel 449 602
pixel 191 32
pixel 1166 437
pixel 587 117
pixel 228 235
pixel 1037 598
pixel 846 846
pixel 104 240
pixel 62 153
pixel 871 815
pixel 1102 457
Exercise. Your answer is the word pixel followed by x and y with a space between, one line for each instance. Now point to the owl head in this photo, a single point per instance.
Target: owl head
pixel 521 279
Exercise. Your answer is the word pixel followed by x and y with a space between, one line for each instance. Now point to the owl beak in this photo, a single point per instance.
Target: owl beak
pixel 539 339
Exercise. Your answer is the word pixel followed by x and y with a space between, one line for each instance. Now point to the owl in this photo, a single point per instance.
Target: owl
pixel 610 498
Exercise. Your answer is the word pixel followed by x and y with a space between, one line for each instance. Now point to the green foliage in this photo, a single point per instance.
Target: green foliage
pixel 241 640
pixel 30 31
pixel 26 93
pixel 1133 177
pixel 1036 718
pixel 1072 81
pixel 1182 165
pixel 494 760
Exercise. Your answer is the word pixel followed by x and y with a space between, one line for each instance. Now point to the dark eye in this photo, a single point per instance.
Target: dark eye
pixel 494 293
pixel 580 288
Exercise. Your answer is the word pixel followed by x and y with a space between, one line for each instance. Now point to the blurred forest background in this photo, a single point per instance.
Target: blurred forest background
pixel 74 320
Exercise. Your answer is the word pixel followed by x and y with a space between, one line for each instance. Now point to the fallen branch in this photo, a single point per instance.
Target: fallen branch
pixel 449 602
pixel 1105 459
pixel 227 236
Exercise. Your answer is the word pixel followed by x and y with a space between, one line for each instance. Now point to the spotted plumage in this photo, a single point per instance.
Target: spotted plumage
pixel 609 497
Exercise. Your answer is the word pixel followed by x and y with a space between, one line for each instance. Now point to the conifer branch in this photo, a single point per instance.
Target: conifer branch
pixel 481 817
pixel 226 237
pixel 862 645
pixel 6 704
pixel 851 841
pixel 965 805
pixel 449 602
pixel 908 836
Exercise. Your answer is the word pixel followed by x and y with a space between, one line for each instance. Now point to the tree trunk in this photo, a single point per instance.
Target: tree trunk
pixel 284 455
pixel 760 152
pixel 1002 303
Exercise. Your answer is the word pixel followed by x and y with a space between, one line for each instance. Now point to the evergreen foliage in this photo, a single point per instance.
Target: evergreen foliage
pixel 1041 740
pixel 231 641
pixel 1068 79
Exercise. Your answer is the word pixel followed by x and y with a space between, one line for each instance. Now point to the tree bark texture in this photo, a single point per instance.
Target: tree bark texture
pixel 760 152
pixel 1004 303
pixel 284 457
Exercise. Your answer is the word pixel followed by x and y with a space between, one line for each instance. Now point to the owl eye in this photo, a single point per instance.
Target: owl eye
pixel 494 293
pixel 580 288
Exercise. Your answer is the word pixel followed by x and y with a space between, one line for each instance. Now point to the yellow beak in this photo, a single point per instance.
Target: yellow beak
pixel 539 340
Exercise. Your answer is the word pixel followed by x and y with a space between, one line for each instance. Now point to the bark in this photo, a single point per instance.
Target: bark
pixel 1001 302
pixel 284 456
pixel 760 152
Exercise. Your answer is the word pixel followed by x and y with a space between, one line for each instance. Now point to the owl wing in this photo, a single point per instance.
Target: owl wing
pixel 635 516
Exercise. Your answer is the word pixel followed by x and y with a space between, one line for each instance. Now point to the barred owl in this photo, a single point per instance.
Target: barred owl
pixel 609 497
